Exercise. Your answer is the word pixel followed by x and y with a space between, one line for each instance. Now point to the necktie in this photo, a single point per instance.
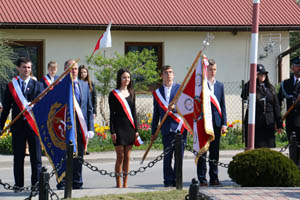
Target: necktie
pixel 23 87
pixel 263 87
pixel 77 91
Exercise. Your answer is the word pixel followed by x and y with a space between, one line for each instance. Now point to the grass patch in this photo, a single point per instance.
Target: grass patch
pixel 161 195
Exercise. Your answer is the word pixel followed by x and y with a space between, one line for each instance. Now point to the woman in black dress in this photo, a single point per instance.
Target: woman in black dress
pixel 123 124
pixel 267 110
pixel 83 74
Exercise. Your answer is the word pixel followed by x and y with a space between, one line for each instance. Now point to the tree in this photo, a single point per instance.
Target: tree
pixel 6 64
pixel 294 40
pixel 142 65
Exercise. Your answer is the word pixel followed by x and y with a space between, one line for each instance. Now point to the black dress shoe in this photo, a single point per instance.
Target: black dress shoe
pixel 77 187
pixel 60 187
pixel 203 184
pixel 166 185
pixel 87 153
pixel 214 183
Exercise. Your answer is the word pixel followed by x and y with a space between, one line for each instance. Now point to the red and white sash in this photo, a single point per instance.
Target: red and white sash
pixel 47 80
pixel 21 102
pixel 125 105
pixel 164 105
pixel 82 123
pixel 215 102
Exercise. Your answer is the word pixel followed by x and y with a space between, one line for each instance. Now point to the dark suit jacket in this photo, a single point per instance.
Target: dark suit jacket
pixel 158 113
pixel 33 89
pixel 86 104
pixel 219 121
pixel 44 83
pixel 294 117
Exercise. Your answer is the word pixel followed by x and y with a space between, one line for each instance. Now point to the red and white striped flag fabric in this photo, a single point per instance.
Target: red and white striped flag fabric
pixel 105 40
pixel 194 105
pixel 138 141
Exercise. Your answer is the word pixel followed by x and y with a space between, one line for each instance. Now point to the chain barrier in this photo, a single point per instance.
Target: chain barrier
pixel 131 172
pixel 283 149
pixel 16 188
pixel 215 162
pixel 52 193
pixel 34 191
pixel 57 167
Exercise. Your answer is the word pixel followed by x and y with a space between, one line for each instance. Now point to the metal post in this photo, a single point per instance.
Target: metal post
pixel 178 160
pixel 44 184
pixel 194 193
pixel 69 171
pixel 243 113
pixel 294 148
pixel 253 64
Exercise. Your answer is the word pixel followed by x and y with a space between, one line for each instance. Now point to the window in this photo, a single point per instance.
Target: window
pixel 139 46
pixel 32 50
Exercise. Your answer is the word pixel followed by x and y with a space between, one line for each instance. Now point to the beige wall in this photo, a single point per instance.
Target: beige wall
pixel 231 52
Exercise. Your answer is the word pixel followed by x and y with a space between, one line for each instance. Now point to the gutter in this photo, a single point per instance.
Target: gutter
pixel 230 28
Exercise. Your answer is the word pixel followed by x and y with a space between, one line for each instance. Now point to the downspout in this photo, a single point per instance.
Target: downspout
pixel 280 57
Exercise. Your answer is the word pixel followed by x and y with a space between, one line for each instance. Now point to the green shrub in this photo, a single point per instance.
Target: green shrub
pixel 263 168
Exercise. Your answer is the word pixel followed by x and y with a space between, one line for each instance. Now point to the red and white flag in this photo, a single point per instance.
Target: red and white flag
pixel 194 105
pixel 138 141
pixel 105 40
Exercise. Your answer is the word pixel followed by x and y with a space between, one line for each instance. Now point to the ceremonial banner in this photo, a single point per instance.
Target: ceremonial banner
pixel 194 105
pixel 54 116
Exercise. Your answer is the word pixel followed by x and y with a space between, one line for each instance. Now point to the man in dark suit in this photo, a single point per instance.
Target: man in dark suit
pixel 219 125
pixel 162 97
pixel 83 98
pixel 51 76
pixel 290 90
pixel 18 94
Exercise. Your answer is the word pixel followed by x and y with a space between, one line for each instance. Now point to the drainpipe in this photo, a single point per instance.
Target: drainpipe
pixel 280 57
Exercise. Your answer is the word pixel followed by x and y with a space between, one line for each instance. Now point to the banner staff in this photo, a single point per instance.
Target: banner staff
pixel 205 43
pixel 38 98
pixel 253 64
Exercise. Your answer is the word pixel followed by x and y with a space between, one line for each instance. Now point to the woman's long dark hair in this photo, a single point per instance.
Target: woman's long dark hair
pixel 87 79
pixel 119 81
pixel 266 82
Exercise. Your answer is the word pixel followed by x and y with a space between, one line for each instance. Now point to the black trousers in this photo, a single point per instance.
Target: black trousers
pixel 213 155
pixel 19 138
pixel 77 166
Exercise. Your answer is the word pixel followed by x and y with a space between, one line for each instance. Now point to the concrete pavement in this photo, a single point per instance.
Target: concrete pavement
pixel 229 190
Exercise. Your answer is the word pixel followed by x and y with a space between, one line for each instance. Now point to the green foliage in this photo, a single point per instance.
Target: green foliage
pixel 5 144
pixel 294 40
pixel 142 66
pixel 6 63
pixel 263 168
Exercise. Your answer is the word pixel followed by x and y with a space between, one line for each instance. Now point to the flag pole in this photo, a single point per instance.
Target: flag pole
pixel 40 96
pixel 179 91
pixel 253 64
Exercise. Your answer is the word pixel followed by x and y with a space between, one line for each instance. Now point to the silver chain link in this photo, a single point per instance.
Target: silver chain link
pixel 215 162
pixel 131 172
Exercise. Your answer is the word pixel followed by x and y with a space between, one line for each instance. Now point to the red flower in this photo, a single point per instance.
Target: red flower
pixel 230 125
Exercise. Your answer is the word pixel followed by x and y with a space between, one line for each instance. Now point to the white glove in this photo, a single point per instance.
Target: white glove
pixel 90 134
pixel 29 108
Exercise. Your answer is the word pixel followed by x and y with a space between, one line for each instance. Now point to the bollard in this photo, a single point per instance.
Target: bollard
pixel 194 190
pixel 44 184
pixel 294 148
pixel 69 171
pixel 178 160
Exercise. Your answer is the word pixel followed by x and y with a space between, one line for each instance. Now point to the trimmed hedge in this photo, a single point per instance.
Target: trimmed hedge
pixel 263 168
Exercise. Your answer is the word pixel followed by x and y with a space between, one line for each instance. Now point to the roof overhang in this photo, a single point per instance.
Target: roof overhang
pixel 233 28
